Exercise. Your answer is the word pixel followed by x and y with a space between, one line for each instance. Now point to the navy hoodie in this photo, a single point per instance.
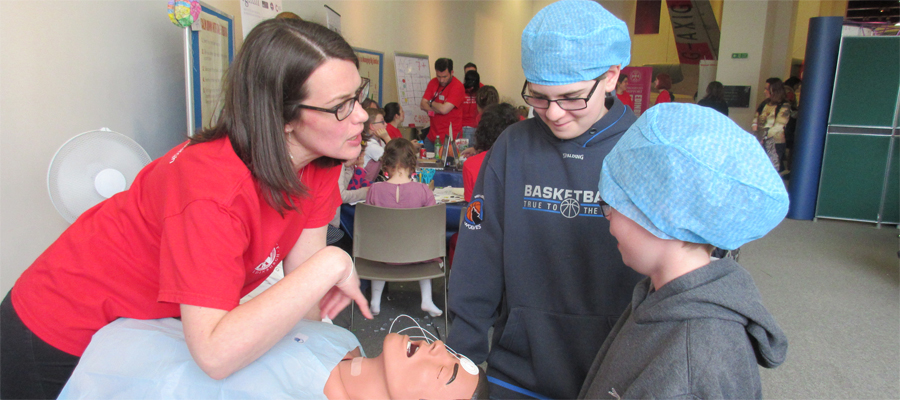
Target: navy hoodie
pixel 536 261
pixel 700 336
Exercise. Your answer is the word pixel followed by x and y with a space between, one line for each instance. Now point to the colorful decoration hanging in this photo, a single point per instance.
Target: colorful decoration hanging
pixel 183 13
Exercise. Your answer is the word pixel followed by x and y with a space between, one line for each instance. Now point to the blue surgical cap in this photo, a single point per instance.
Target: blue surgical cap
pixel 572 41
pixel 689 173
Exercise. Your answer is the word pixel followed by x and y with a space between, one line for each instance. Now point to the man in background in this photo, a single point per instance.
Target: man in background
pixel 443 97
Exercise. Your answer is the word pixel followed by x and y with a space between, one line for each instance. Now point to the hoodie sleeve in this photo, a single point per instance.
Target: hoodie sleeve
pixel 476 284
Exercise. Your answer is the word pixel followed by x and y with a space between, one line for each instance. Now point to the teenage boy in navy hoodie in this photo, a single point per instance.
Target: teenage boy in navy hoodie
pixel 535 259
pixel 683 179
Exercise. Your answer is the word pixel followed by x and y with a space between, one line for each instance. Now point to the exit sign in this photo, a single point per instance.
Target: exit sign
pixel 738 55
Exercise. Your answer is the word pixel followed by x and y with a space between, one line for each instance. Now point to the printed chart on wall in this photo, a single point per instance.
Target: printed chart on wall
pixel 413 75
pixel 371 66
pixel 212 46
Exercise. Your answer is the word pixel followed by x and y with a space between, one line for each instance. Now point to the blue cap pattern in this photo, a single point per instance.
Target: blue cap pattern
pixel 687 172
pixel 572 41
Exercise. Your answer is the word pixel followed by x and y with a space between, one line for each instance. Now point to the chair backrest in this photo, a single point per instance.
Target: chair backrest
pixel 400 235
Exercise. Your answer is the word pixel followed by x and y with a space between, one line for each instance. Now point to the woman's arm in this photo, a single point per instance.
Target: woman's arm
pixel 223 342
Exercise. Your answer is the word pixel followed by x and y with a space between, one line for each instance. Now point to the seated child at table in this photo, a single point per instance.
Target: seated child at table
pixel 682 179
pixel 399 191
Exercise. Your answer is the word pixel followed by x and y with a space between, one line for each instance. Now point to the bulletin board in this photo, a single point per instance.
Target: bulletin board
pixel 371 66
pixel 212 50
pixel 413 75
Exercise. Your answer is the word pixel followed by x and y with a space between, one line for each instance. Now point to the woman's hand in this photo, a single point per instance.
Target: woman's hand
pixel 468 152
pixel 344 291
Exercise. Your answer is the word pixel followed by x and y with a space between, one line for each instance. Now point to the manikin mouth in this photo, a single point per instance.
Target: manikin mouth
pixel 411 348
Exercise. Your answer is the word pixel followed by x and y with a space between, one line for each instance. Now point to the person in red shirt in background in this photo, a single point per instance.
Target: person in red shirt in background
pixel 442 99
pixel 472 67
pixel 663 83
pixel 494 121
pixel 471 83
pixel 622 93
pixel 394 116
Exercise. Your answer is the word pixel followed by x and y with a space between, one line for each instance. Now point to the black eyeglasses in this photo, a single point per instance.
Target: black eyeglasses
pixel 345 108
pixel 605 208
pixel 565 104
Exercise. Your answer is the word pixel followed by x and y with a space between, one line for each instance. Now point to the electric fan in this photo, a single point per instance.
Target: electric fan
pixel 92 167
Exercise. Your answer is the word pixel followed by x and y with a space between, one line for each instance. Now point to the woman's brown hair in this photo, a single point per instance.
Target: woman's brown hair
pixel 262 91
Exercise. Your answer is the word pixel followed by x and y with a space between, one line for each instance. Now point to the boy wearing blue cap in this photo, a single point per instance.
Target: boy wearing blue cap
pixel 682 180
pixel 535 259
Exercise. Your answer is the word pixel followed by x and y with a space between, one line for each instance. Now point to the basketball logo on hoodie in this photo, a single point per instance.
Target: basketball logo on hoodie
pixel 474 213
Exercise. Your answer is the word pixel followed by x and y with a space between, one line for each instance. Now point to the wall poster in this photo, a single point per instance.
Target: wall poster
pixel 371 66
pixel 212 45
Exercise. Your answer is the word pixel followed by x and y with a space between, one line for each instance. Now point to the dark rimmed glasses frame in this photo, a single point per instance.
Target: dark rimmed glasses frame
pixel 573 104
pixel 345 108
pixel 605 208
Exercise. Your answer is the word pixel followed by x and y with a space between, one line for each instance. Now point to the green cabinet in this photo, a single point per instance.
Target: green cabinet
pixel 860 178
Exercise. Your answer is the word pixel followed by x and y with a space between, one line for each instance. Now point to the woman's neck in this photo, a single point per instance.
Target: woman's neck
pixel 395 122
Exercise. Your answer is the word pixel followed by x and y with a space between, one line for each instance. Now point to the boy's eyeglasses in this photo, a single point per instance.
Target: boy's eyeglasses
pixel 605 208
pixel 345 108
pixel 565 104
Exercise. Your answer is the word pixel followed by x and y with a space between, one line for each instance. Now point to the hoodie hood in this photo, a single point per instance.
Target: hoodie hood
pixel 721 290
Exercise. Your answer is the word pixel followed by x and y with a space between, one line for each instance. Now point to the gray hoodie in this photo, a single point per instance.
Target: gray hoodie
pixel 700 336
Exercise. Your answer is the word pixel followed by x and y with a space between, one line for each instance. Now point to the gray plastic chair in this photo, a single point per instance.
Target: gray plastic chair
pixel 400 235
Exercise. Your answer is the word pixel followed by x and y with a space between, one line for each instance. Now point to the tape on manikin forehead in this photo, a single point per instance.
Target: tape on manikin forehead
pixel 429 338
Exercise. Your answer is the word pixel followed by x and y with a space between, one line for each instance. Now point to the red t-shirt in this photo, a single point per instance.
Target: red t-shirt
pixel 453 93
pixel 470 173
pixel 626 99
pixel 469 111
pixel 393 132
pixel 194 228
pixel 663 97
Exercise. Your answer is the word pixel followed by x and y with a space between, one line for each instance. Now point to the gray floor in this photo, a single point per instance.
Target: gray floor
pixel 833 286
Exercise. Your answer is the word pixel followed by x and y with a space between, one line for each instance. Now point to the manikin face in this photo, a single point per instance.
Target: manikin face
pixel 418 370
pixel 443 77
pixel 571 124
pixel 314 133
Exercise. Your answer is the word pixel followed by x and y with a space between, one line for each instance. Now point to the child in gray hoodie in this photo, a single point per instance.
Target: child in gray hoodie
pixel 683 180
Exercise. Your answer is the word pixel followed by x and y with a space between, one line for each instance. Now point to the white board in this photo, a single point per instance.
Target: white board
pixel 413 75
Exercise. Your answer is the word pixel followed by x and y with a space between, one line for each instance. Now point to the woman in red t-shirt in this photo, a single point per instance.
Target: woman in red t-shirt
pixel 205 224
pixel 622 92
pixel 394 116
pixel 663 83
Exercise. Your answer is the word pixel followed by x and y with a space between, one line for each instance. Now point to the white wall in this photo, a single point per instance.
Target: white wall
pixel 69 67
